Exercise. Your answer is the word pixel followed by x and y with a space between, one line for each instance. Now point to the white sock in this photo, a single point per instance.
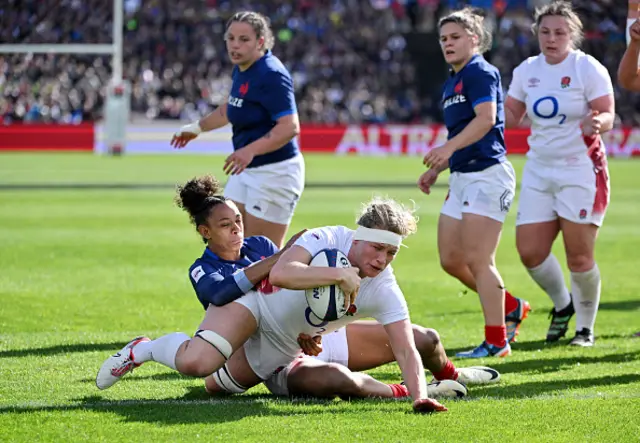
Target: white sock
pixel 162 350
pixel 585 288
pixel 549 277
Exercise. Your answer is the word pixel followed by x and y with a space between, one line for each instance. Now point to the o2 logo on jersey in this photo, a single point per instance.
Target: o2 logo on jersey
pixel 235 102
pixel 318 323
pixel 541 108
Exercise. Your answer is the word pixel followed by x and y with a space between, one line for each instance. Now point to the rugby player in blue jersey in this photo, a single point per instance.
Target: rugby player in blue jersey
pixel 482 181
pixel 266 168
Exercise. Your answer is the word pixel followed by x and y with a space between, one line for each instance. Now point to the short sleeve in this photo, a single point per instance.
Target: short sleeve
pixel 328 237
pixel 388 302
pixel 277 95
pixel 481 86
pixel 599 81
pixel 516 88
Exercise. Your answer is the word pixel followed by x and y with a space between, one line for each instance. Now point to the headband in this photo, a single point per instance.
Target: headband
pixel 378 236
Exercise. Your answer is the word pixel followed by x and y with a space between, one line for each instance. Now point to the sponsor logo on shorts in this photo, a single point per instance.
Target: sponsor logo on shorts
pixel 505 201
pixel 583 214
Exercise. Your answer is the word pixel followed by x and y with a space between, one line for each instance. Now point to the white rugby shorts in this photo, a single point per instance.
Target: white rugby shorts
pixel 269 192
pixel 488 193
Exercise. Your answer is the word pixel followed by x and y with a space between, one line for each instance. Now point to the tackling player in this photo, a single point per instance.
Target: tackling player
pixel 266 167
pixel 568 96
pixel 266 326
pixel 482 181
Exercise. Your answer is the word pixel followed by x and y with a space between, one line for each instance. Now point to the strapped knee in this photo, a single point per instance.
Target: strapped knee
pixel 217 341
pixel 226 382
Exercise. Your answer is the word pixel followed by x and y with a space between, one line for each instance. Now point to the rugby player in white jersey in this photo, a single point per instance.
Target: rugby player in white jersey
pixel 568 96
pixel 264 328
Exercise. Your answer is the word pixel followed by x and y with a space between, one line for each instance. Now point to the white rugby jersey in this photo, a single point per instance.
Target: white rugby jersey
pixel 557 98
pixel 286 312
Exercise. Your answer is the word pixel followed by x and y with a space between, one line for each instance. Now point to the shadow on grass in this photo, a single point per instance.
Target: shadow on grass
pixel 623 305
pixel 537 388
pixel 196 406
pixel 63 349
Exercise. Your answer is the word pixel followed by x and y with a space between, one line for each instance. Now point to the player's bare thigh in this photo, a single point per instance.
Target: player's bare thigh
pixel 369 345
pixel 535 240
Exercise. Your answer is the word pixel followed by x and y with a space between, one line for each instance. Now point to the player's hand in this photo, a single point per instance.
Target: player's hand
pixel 185 135
pixel 634 30
pixel 293 239
pixel 238 161
pixel 427 406
pixel 350 285
pixel 437 158
pixel 310 345
pixel 427 179
pixel 592 123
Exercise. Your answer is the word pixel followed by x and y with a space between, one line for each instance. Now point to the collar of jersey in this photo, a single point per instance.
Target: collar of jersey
pixel 475 57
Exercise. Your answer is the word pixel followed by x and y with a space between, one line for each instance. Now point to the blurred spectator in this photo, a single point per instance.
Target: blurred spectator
pixel 348 57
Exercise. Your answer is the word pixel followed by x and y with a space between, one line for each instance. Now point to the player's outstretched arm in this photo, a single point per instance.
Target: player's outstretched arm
pixel 216 119
pixel 514 111
pixel 628 72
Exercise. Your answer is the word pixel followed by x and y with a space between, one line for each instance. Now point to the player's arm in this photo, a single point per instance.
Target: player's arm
pixel 404 348
pixel 514 111
pixel 218 290
pixel 214 120
pixel 292 271
pixel 628 73
pixel 477 128
pixel 286 128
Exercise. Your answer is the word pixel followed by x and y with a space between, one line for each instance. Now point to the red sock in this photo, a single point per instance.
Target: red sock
pixel 448 372
pixel 399 391
pixel 496 335
pixel 510 303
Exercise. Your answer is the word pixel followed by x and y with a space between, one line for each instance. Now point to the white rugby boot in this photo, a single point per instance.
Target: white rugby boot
pixel 119 364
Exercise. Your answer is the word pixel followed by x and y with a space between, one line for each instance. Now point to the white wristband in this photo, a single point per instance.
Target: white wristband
pixel 193 128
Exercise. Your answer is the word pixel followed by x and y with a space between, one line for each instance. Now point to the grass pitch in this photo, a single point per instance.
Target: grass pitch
pixel 85 269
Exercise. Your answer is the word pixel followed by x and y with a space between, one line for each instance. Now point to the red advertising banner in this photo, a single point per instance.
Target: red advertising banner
pixel 42 137
pixel 382 140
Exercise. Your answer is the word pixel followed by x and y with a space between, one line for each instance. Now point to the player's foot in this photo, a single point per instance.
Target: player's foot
pixel 559 323
pixel 478 375
pixel 583 338
pixel 486 350
pixel 514 319
pixel 446 389
pixel 118 365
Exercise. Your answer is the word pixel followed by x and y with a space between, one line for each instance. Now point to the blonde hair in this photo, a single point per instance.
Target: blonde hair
pixel 473 23
pixel 560 9
pixel 390 215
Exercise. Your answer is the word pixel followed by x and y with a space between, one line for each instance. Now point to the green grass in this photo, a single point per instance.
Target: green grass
pixel 84 271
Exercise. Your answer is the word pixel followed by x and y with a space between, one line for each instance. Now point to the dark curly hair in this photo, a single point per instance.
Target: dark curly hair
pixel 198 197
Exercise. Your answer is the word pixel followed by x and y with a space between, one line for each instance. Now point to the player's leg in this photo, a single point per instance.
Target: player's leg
pixel 236 191
pixel 369 347
pixel 487 197
pixel 312 377
pixel 273 192
pixel 537 227
pixel 452 260
pixel 223 330
pixel 581 205
pixel 235 377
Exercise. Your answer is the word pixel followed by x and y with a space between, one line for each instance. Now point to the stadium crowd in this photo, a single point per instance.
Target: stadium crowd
pixel 349 58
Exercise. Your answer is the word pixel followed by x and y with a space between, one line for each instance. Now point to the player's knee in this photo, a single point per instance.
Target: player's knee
pixel 195 366
pixel 532 254
pixel 452 263
pixel 580 262
pixel 477 262
pixel 212 387
pixel 427 340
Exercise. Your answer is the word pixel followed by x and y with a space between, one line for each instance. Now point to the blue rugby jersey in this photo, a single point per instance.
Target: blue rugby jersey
pixel 477 82
pixel 214 279
pixel 259 96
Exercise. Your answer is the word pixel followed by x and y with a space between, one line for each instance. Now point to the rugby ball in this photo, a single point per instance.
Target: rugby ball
pixel 327 302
